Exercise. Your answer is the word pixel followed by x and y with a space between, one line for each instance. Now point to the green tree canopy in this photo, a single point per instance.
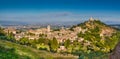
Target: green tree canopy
pixel 54 45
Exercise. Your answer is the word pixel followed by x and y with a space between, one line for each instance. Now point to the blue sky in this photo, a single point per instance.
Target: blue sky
pixel 59 10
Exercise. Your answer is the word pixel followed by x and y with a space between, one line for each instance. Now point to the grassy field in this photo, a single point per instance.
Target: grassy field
pixel 16 51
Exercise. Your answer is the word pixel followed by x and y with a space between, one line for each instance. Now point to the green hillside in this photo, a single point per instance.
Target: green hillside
pixel 9 50
pixel 99 39
pixel 101 36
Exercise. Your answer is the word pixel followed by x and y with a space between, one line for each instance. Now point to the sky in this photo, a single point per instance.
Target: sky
pixel 36 11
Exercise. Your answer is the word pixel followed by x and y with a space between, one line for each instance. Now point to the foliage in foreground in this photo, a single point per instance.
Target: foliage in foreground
pixel 15 51
pixel 6 53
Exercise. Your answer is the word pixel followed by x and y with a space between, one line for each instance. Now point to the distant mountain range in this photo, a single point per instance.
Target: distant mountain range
pixel 2 22
pixel 7 23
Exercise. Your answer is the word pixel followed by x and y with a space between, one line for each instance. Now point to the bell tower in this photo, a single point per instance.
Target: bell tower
pixel 48 28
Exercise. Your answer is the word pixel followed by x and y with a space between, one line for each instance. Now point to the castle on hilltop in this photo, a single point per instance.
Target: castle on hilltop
pixel 91 19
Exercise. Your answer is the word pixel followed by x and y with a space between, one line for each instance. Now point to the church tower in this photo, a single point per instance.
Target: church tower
pixel 48 28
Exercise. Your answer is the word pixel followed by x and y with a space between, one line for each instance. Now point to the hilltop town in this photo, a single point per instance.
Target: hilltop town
pixel 74 33
pixel 89 38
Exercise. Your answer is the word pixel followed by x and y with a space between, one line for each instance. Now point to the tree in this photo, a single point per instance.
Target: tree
pixel 2 32
pixel 54 45
pixel 10 37
pixel 67 43
pixel 80 34
pixel 40 40
pixel 33 42
pixel 24 41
